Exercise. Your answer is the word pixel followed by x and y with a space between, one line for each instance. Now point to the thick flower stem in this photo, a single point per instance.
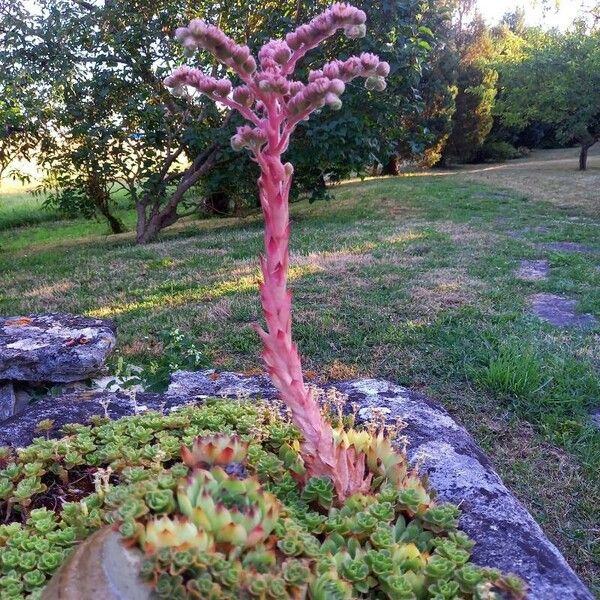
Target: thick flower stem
pixel 322 455
pixel 280 353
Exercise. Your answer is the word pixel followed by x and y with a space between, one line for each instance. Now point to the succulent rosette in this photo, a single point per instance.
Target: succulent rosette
pixel 233 511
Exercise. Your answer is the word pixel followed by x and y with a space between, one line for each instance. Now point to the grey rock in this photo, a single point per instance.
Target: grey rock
pixel 7 400
pixel 75 407
pixel 560 311
pixel 101 567
pixel 533 270
pixel 55 348
pixel 569 247
pixel 507 536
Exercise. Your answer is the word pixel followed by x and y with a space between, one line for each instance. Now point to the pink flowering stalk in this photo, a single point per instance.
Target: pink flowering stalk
pixel 274 103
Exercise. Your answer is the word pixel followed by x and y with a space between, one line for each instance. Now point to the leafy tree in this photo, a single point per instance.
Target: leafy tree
pixel 99 69
pixel 557 83
pixel 437 88
pixel 111 123
pixel 472 119
pixel 21 117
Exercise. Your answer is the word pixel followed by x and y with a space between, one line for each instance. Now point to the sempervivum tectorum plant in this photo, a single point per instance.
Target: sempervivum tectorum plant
pixel 173 532
pixel 218 449
pixel 274 104
pixel 235 512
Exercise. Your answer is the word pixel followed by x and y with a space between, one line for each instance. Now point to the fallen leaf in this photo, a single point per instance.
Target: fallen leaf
pixel 20 322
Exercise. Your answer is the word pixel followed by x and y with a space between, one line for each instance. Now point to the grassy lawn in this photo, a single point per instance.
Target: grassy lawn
pixel 410 279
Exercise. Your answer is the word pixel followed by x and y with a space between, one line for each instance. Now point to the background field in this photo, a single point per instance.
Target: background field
pixel 408 278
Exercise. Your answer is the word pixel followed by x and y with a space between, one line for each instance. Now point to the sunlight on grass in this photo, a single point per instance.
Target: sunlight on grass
pixel 200 294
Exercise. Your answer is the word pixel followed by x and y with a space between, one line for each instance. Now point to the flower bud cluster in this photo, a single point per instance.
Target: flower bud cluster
pixel 366 65
pixel 339 16
pixel 243 95
pixel 319 92
pixel 274 54
pixel 271 81
pixel 199 34
pixel 248 137
pixel 182 76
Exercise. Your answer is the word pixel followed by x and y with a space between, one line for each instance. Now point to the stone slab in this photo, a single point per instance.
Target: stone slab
pixel 507 536
pixel 54 348
pixel 100 568
pixel 560 311
pixel 533 270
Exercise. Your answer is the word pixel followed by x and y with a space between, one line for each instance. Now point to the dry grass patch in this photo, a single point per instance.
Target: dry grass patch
pixel 338 371
pixel 50 291
pixel 219 310
pixel 442 289
pixel 547 176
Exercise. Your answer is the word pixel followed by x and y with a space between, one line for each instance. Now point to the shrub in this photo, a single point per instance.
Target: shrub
pixel 499 151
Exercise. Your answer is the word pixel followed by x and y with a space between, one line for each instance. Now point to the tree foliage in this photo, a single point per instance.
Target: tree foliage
pixel 98 69
pixel 472 118
pixel 21 115
pixel 556 82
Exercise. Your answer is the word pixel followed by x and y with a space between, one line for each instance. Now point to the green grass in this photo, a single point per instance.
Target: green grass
pixel 409 279
pixel 21 208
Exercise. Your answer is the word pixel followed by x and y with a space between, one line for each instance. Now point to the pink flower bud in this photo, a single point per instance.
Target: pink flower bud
pixel 305 34
pixel 383 69
pixel 350 68
pixel 293 41
pixel 337 87
pixel 223 52
pixel 355 32
pixel 240 54
pixel 242 95
pixel 237 143
pixel 223 87
pixel 377 84
pixel 288 169
pixel 197 27
pixel 323 24
pixel 296 87
pixel 369 62
pixel 380 85
pixel 249 65
pixel 314 75
pixel 189 44
pixel 282 54
pixel 359 17
pixel 331 70
pixel 181 33
pixel 333 101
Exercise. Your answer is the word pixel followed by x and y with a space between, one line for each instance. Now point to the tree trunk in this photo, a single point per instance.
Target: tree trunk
pixel 150 225
pixel 583 156
pixel 217 203
pixel 116 225
pixel 392 167
pixel 100 196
